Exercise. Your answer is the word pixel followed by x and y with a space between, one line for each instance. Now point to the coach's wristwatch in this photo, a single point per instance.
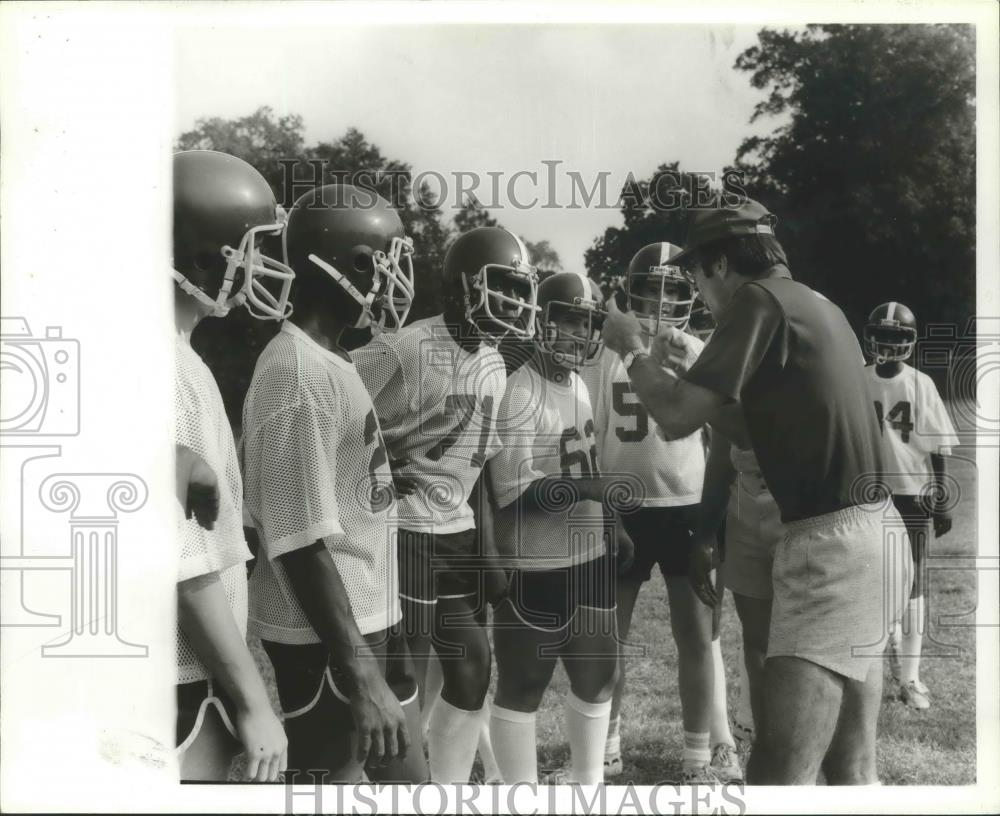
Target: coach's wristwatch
pixel 630 357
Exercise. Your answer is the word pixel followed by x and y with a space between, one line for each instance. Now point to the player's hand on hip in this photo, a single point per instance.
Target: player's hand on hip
pixel 197 487
pixel 674 350
pixel 379 720
pixel 700 573
pixel 404 485
pixel 264 741
pixel 942 524
pixel 622 331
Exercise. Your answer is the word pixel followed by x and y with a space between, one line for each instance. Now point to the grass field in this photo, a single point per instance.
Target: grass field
pixel 934 747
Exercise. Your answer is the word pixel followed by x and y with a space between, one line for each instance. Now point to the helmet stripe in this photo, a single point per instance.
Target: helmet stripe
pixel 892 310
pixel 588 294
pixel 664 252
pixel 520 246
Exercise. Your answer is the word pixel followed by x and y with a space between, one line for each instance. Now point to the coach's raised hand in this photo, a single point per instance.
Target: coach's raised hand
pixel 622 331
pixel 675 350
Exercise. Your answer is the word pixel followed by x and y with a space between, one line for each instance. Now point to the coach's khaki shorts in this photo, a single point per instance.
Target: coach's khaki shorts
pixel 839 581
pixel 753 532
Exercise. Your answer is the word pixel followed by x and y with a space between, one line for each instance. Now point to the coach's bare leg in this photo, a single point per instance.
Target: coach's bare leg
pixel 755 620
pixel 626 593
pixel 210 756
pixel 691 624
pixel 850 759
pixel 801 706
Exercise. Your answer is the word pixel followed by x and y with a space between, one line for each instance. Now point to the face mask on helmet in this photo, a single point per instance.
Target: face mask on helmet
pixel 572 330
pixel 890 343
pixel 243 283
pixel 503 300
pixel 386 301
pixel 663 296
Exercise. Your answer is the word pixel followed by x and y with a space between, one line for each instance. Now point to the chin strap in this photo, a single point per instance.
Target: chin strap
pixel 216 309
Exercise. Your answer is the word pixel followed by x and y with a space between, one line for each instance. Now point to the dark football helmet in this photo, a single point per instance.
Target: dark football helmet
pixel 223 208
pixel 891 333
pixel 657 290
pixel 489 266
pixel 562 297
pixel 353 237
pixel 701 323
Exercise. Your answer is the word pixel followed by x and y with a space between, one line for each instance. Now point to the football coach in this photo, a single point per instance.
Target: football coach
pixel 784 371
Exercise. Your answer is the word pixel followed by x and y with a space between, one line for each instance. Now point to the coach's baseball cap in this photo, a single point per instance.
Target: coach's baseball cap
pixel 706 226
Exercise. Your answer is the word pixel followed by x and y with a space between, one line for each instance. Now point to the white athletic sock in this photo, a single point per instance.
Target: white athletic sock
pixel 719 732
pixel 451 742
pixel 613 744
pixel 744 710
pixel 587 731
pixel 433 683
pixel 696 751
pixel 513 736
pixel 913 635
pixel 491 771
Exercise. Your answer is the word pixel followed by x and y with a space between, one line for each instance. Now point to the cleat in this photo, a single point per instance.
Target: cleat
pixel 915 695
pixel 699 775
pixel 725 763
pixel 612 765
pixel 558 776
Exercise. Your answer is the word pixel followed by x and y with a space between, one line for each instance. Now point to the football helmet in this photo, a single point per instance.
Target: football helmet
pixel 223 208
pixel 489 266
pixel 701 323
pixel 567 295
pixel 353 237
pixel 891 333
pixel 658 290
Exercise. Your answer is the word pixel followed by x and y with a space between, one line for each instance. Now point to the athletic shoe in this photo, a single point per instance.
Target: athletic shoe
pixel 699 775
pixel 915 695
pixel 725 764
pixel 612 765
pixel 558 776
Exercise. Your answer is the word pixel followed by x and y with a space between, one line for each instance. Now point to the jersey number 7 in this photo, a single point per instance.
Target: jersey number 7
pixel 463 406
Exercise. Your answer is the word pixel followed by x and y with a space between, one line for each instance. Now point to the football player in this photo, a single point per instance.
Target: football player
pixel 324 595
pixel 917 434
pixel 671 473
pixel 550 529
pixel 221 208
pixel 437 387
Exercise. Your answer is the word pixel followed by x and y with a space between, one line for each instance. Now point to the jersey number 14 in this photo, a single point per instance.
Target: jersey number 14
pixel 898 417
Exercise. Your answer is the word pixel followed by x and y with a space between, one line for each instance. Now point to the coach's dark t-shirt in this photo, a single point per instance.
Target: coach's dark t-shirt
pixel 788 355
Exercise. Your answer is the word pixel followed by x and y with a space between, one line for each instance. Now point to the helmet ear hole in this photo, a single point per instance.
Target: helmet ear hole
pixel 362 259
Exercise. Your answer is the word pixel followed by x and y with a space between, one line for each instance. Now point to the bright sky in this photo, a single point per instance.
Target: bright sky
pixel 494 98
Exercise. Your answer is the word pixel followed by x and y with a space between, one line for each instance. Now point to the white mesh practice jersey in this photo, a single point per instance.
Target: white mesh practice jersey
pixel 200 424
pixel 315 467
pixel 630 441
pixel 438 405
pixel 914 423
pixel 546 430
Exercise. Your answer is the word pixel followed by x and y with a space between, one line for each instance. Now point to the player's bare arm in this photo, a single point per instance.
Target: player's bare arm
pixel 942 518
pixel 378 716
pixel 205 617
pixel 494 577
pixel 719 475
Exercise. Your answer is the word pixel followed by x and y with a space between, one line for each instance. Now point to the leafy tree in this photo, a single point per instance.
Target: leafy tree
pixel 653 210
pixel 472 215
pixel 871 167
pixel 543 256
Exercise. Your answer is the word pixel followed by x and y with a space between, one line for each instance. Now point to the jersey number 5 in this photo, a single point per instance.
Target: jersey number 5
pixel 899 418
pixel 631 408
